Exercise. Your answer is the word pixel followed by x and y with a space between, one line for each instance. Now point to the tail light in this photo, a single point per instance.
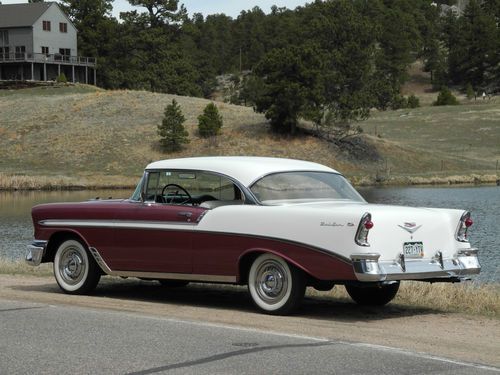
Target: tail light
pixel 363 228
pixel 463 226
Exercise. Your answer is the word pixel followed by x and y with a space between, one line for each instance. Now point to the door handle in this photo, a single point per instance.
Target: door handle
pixel 186 214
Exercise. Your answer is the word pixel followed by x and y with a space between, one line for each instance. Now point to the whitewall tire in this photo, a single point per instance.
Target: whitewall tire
pixel 75 270
pixel 275 286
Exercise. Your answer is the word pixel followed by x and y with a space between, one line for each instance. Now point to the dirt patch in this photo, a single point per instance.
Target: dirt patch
pixel 463 338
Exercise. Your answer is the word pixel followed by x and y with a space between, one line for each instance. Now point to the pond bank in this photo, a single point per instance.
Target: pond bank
pixel 66 183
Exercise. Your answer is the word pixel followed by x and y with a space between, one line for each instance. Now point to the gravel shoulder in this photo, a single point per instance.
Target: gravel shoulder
pixel 455 336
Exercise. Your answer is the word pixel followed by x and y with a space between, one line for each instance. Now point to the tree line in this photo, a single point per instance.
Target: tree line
pixel 328 61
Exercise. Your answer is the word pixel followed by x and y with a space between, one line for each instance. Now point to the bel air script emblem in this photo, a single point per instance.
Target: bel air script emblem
pixel 410 227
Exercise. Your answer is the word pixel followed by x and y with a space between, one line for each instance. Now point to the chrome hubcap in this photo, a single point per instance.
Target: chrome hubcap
pixel 72 265
pixel 271 282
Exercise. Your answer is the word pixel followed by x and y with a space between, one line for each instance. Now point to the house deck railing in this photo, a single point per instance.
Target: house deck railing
pixel 45 58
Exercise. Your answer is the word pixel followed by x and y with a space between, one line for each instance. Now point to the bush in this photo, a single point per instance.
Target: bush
pixel 399 102
pixel 445 97
pixel 172 132
pixel 210 122
pixel 469 91
pixel 413 101
pixel 61 78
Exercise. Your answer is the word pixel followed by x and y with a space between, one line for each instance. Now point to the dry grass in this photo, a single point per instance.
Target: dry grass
pixel 10 267
pixel 468 298
pixel 78 137
pixel 12 182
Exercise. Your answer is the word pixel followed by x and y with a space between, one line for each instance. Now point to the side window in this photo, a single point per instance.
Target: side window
pixel 152 186
pixel 201 186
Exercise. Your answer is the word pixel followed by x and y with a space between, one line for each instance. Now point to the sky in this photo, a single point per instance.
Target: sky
pixel 229 7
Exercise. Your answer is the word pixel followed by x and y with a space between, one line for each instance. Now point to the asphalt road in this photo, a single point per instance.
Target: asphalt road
pixel 38 338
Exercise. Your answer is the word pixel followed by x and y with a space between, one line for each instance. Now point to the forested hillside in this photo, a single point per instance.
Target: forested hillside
pixel 329 62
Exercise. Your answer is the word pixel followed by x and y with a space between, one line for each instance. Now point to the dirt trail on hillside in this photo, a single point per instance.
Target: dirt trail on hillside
pixel 462 338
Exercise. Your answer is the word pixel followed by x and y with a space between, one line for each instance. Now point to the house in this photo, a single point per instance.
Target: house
pixel 38 42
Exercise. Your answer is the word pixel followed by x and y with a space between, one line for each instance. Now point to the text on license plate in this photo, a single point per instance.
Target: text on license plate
pixel 413 249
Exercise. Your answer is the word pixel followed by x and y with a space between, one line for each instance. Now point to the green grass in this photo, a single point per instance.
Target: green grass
pixel 464 137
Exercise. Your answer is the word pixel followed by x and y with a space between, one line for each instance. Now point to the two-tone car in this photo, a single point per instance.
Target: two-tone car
pixel 276 225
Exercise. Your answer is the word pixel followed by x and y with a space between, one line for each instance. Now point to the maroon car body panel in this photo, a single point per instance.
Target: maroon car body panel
pixel 124 234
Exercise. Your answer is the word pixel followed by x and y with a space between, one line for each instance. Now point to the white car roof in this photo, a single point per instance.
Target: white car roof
pixel 245 169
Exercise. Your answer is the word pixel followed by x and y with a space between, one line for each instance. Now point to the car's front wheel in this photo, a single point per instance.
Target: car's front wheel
pixel 373 295
pixel 75 270
pixel 275 286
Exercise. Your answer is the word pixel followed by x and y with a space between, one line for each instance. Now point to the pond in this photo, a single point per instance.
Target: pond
pixel 16 230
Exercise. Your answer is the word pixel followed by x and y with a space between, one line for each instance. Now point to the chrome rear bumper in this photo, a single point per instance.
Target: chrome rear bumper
pixel 367 267
pixel 35 253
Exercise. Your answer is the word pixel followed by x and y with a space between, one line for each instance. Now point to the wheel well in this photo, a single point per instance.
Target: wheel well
pixel 245 264
pixel 247 260
pixel 55 240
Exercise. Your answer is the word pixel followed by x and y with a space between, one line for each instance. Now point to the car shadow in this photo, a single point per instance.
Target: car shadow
pixel 229 297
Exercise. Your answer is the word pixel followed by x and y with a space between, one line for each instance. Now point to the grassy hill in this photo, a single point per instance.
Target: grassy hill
pixel 80 135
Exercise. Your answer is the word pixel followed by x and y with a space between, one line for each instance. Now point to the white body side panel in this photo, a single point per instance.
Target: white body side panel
pixel 332 226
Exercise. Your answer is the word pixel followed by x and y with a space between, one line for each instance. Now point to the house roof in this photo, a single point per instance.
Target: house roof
pixel 21 15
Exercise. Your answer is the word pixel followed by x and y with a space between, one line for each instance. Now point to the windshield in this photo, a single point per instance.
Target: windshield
pixel 137 192
pixel 303 187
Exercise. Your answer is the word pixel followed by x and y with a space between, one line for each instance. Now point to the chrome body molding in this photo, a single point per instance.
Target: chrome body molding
pixel 368 268
pixel 35 253
pixel 159 275
pixel 154 225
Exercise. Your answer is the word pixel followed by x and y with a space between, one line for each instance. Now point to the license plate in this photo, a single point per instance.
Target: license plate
pixel 413 249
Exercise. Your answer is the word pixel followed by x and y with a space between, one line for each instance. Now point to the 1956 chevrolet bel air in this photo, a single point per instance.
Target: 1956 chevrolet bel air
pixel 277 225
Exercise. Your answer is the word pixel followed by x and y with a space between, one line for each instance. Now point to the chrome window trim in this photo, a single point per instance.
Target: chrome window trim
pixel 248 197
pixel 302 171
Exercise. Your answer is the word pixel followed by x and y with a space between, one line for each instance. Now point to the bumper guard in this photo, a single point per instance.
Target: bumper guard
pixel 35 253
pixel 367 267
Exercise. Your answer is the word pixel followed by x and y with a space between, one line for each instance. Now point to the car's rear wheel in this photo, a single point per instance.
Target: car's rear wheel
pixel 75 270
pixel 373 295
pixel 275 286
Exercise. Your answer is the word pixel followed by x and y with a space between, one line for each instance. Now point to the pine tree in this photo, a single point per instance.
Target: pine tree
pixel 172 132
pixel 210 122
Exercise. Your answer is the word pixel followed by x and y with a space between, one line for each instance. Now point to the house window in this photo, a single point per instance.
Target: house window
pixel 63 27
pixel 20 51
pixel 65 51
pixel 4 37
pixel 4 53
pixel 45 50
pixel 46 25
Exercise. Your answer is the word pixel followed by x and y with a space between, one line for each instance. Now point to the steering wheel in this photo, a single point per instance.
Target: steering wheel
pixel 188 200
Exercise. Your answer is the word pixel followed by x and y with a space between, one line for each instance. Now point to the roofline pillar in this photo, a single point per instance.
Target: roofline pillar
pixel 45 72
pixel 73 73
pixel 32 72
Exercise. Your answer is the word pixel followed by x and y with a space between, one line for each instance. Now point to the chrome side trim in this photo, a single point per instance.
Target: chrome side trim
pixel 35 253
pixel 154 225
pixel 159 275
pixel 463 264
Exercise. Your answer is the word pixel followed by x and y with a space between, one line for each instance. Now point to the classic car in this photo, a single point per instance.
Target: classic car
pixel 276 225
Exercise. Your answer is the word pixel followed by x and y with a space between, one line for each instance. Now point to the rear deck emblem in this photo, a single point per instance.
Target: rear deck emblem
pixel 410 227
